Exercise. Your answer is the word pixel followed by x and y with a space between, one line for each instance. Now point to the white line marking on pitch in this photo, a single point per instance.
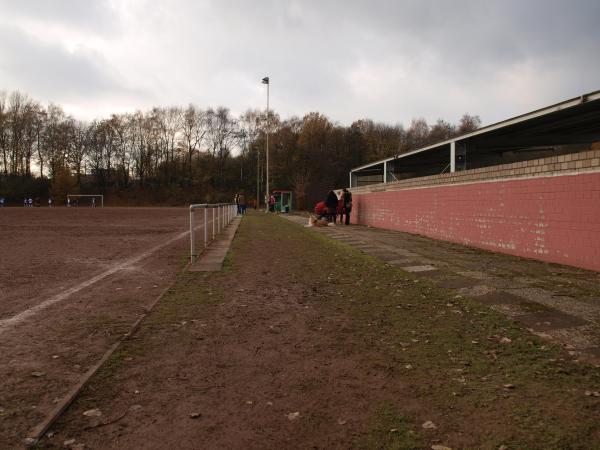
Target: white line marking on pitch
pixel 20 317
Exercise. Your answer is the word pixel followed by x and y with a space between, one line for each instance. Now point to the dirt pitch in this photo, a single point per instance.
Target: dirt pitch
pixel 72 281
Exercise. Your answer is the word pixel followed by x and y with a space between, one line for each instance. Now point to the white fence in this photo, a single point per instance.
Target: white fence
pixel 216 216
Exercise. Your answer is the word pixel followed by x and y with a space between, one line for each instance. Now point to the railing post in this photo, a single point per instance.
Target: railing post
pixel 213 221
pixel 205 229
pixel 192 242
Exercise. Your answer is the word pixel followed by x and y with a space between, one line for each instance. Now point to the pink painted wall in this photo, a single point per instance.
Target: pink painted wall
pixel 554 219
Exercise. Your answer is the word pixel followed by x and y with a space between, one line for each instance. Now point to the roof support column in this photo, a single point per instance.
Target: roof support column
pixel 453 156
pixel 385 172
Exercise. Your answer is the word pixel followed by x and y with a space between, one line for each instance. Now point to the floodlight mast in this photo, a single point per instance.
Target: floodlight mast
pixel 266 81
pixel 257 177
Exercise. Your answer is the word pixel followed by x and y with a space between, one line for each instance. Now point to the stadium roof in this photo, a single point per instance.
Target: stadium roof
pixel 571 121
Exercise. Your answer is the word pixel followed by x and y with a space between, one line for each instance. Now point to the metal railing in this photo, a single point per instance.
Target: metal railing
pixel 222 215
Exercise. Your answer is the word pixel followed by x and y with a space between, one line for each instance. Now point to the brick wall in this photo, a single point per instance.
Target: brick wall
pixel 547 209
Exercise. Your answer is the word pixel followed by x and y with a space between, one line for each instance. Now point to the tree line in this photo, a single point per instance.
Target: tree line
pixel 176 155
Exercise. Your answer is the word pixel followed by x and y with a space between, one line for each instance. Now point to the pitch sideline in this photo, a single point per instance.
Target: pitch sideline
pixel 57 298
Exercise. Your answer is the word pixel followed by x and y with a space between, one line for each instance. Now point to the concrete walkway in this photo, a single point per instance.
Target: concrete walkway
pixel 212 258
pixel 559 303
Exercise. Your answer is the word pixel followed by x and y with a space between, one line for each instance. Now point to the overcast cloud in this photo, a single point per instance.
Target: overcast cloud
pixel 386 60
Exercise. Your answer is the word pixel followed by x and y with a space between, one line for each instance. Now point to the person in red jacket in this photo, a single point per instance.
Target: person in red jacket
pixel 320 210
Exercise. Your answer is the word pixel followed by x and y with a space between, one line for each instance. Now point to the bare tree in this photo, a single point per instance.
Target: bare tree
pixel 80 142
pixel 222 135
pixel 468 123
pixel 441 131
pixel 4 132
pixel 417 134
pixel 55 139
pixel 193 132
pixel 16 104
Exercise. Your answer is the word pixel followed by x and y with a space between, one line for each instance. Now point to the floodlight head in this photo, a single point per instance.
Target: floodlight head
pixel 265 80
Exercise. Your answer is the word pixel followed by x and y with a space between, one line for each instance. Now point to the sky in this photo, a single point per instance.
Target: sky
pixel 389 61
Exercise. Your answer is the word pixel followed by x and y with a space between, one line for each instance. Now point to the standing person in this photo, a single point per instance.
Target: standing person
pixel 49 202
pixel 340 207
pixel 236 199
pixel 347 197
pixel 93 202
pixel 68 202
pixel 241 198
pixel 1 202
pixel 331 202
pixel 30 202
pixel 25 202
pixel 272 203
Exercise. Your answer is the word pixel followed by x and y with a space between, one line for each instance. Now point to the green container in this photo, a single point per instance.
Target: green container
pixel 283 201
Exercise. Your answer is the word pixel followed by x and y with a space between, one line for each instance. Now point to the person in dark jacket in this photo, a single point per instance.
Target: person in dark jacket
pixel 347 197
pixel 241 201
pixel 331 202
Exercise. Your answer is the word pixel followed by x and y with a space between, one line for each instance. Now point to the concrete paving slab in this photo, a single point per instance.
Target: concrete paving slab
pixel 498 297
pixel 434 274
pixel 565 304
pixel 384 256
pixel 550 320
pixel 584 336
pixel 403 262
pixel 457 282
pixel 512 310
pixel 416 269
pixel 367 249
pixel 406 253
pixel 476 291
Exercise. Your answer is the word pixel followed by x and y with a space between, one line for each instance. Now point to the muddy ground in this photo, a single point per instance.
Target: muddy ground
pixel 301 342
pixel 46 252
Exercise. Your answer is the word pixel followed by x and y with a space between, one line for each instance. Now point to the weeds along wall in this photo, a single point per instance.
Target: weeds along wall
pixel 546 209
